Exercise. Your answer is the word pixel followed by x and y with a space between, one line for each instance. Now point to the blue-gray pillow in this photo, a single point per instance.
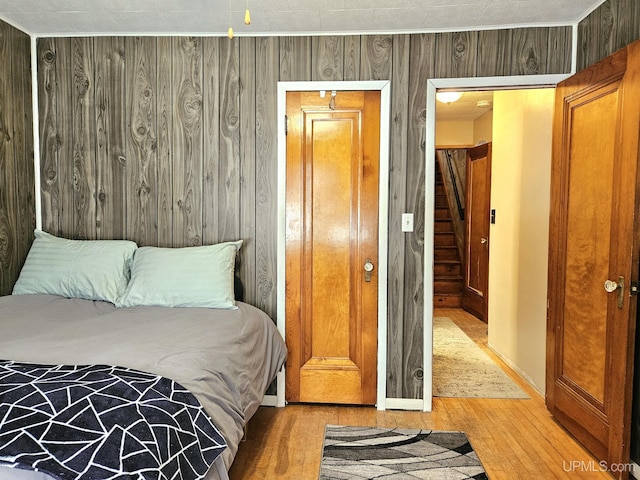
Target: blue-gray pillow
pixel 89 269
pixel 182 277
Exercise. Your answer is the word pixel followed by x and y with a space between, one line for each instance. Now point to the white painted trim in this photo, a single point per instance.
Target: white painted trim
pixel 589 11
pixel 574 49
pixel 416 404
pixel 404 404
pixel 479 83
pixel 254 34
pixel 36 132
pixel 384 87
pixel 270 401
pixel 635 470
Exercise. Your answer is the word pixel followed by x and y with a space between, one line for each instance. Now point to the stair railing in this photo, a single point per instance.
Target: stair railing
pixel 455 179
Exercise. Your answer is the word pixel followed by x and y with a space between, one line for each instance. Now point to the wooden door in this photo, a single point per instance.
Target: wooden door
pixel 331 237
pixel 593 239
pixel 478 205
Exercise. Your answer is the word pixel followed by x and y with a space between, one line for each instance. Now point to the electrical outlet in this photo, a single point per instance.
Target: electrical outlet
pixel 407 222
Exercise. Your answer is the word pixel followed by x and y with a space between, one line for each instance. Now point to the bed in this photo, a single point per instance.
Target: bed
pixel 226 357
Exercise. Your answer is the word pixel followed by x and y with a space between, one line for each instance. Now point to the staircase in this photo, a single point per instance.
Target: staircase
pixel 447 267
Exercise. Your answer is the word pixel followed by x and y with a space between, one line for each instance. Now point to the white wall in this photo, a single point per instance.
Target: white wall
pixel 521 170
pixel 483 128
pixel 452 133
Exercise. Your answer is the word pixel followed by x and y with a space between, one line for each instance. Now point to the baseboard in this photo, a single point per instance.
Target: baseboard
pixel 517 369
pixel 390 403
pixel 404 404
pixel 269 401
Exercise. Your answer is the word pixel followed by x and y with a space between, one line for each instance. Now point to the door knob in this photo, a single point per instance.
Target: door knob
pixel 610 286
pixel 368 268
pixel 483 240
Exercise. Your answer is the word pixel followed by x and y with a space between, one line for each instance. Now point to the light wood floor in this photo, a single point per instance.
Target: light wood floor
pixel 515 439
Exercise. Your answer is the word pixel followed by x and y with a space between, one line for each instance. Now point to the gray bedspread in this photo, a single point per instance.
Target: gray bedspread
pixel 226 358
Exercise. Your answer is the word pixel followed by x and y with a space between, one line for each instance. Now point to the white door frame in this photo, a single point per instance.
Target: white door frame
pixel 474 83
pixel 385 108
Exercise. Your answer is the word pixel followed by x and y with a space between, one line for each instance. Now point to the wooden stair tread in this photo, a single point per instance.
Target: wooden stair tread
pixel 447 279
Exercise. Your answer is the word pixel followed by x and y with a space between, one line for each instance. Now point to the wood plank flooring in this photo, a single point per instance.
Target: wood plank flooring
pixel 515 439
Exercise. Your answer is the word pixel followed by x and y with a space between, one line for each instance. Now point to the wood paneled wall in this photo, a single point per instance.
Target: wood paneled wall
pixel 17 185
pixel 172 141
pixel 613 25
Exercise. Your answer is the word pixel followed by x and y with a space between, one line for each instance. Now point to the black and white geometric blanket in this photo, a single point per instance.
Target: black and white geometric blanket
pixel 102 422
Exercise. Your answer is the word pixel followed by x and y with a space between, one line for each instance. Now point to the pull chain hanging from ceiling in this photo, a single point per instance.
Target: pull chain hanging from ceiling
pixel 247 19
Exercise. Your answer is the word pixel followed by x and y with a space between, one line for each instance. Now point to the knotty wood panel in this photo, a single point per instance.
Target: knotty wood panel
pixel 141 157
pixel 110 147
pixel 608 28
pixel 421 67
pixel 247 225
pixel 351 67
pixel 164 124
pixel 211 107
pixel 529 51
pixel 17 214
pixel 8 208
pixel 23 143
pixel 295 58
pixel 266 162
pixel 376 59
pixel 397 202
pixel 456 54
pixel 494 52
pixel 187 140
pixel 558 44
pixel 328 56
pixel 229 175
pixel 65 175
pixel 83 137
pixel 48 89
pixel 199 142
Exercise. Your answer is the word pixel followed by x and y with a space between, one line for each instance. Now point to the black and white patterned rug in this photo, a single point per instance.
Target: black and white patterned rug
pixel 356 453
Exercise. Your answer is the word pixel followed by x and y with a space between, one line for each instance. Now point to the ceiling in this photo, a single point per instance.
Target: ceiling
pixel 283 17
pixel 470 106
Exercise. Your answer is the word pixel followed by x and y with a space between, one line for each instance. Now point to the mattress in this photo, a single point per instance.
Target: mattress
pixel 225 358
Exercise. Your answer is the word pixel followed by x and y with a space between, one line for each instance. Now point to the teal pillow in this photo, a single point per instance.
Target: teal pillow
pixel 182 277
pixel 90 269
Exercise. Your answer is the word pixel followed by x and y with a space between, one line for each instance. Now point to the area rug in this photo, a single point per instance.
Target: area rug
pixel 356 453
pixel 462 369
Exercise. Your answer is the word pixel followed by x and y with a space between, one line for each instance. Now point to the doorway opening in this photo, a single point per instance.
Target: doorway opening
pixel 504 86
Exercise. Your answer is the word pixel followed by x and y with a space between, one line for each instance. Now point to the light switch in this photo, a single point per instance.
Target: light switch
pixel 407 222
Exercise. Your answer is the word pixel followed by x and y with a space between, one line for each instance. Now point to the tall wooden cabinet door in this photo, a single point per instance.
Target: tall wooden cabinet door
pixel 594 255
pixel 476 239
pixel 332 222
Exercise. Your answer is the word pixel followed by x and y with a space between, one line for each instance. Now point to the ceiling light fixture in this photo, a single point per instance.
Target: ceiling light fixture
pixel 448 97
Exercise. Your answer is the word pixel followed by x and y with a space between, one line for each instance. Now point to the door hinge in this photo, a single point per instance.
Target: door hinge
pixel 633 288
pixel 286 125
